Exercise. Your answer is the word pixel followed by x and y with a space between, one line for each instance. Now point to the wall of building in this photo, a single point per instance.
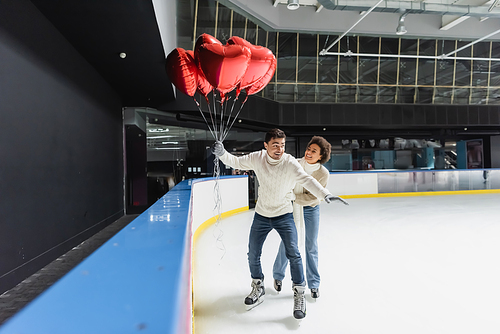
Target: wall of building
pixel 61 145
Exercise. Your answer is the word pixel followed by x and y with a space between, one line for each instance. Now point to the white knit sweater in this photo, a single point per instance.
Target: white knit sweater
pixel 277 179
pixel 320 173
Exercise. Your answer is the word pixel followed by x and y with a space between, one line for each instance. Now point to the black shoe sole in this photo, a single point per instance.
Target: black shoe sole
pixel 299 315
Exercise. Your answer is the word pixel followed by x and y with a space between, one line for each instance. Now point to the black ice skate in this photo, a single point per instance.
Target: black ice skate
pixel 299 302
pixel 257 295
pixel 277 285
pixel 315 293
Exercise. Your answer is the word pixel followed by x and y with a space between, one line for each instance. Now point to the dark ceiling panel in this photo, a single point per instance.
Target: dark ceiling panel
pixel 101 29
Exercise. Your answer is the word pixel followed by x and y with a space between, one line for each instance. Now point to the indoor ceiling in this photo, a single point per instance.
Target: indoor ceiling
pixel 100 30
pixel 450 19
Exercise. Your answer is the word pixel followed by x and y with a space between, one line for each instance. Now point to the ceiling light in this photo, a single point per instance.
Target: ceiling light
pixel 122 55
pixel 401 29
pixel 293 4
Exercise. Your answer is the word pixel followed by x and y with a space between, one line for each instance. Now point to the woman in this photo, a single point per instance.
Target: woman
pixel 306 214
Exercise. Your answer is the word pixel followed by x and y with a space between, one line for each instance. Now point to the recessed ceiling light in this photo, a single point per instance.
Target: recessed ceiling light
pixel 123 55
pixel 293 4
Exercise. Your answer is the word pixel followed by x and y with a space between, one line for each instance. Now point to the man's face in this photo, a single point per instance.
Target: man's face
pixel 275 148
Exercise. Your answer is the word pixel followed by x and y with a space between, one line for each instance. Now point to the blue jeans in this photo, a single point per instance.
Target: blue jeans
pixel 311 221
pixel 285 227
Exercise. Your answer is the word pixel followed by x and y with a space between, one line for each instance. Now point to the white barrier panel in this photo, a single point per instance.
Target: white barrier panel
pixel 233 193
pixel 352 183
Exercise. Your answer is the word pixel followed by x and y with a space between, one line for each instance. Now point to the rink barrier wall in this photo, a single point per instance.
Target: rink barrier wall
pixel 141 278
pixel 398 183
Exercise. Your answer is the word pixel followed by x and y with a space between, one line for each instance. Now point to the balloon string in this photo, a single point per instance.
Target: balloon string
pixel 206 122
pixel 217 232
pixel 214 120
pixel 222 112
pixel 227 127
pixel 234 119
pixel 214 127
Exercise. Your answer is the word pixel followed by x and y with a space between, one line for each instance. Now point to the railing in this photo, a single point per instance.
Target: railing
pixel 140 279
pixel 403 181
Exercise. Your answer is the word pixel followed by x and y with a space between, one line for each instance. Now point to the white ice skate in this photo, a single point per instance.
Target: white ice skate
pixel 299 302
pixel 257 295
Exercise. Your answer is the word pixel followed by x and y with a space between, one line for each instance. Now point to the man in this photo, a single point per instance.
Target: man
pixel 277 172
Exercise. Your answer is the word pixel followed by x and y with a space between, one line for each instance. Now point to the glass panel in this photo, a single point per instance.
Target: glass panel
pixel 306 93
pixel 368 66
pixel 287 52
pixel 367 94
pixel 326 93
pixel 368 70
pixel 463 67
pixel 478 95
pixel 405 182
pixel 327 66
pixel 478 179
pixel 407 66
pixel 271 42
pixel 481 67
pixel 307 58
pixel 270 91
pixel 424 94
pixel 206 17
pixel 346 94
pixel 463 181
pixel 407 71
pixel 261 37
pixel 251 33
pixel 424 181
pixel 285 93
pixel 387 182
pixel 443 95
pixel 493 177
pixel 406 94
pixel 445 68
pixel 445 181
pixel 386 94
pixel 239 22
pixel 426 66
pixel 389 66
pixel 348 69
pixel 224 24
pixel 461 95
pixel 462 74
pixel 327 69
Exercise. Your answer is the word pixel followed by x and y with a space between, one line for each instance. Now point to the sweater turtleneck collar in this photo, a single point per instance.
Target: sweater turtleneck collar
pixel 309 168
pixel 272 161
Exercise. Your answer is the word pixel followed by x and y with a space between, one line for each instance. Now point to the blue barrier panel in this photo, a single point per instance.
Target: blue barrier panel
pixel 139 280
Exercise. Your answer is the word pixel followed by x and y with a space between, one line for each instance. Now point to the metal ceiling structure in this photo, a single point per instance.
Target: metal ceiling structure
pixel 451 19
pixel 146 31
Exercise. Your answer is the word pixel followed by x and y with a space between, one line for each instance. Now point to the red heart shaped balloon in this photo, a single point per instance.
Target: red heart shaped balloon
pixel 261 61
pixel 203 86
pixel 223 65
pixel 182 71
pixel 204 39
pixel 262 82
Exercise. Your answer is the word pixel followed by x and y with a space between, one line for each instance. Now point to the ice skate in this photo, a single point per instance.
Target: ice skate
pixel 277 285
pixel 299 302
pixel 315 293
pixel 257 295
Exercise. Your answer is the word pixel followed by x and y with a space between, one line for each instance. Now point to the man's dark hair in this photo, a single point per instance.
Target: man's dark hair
pixel 325 148
pixel 274 133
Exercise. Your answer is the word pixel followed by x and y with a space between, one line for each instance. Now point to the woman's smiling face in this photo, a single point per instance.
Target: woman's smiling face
pixel 313 154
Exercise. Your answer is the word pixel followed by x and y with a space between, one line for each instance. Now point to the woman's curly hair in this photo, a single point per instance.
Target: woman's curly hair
pixel 325 148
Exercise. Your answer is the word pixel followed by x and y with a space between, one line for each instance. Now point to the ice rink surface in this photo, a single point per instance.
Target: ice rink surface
pixel 395 265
